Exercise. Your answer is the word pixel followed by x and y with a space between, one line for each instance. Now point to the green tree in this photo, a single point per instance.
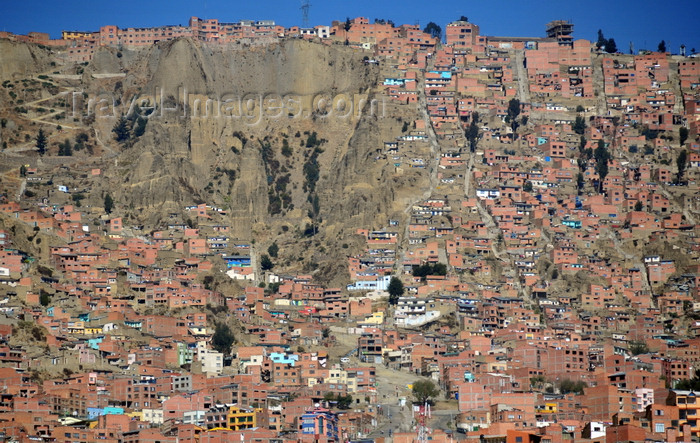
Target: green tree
pixel 424 391
pixel 312 140
pixel 222 339
pixel 265 263
pixel 344 401
pixel 286 150
pixel 108 203
pixel 44 298
pixel 601 40
pixel 77 198
pixel 80 141
pixel 611 46
pixel 602 156
pixel 681 163
pixel 422 271
pixel 580 108
pixel 434 30
pixel 41 142
pixel 567 386
pixel 315 206
pixel 638 206
pixel 65 149
pixel 602 170
pixel 513 113
pixel 121 129
pixel 580 181
pixel 662 46
pixel 582 144
pixel 638 347
pixel 472 133
pixel 273 250
pixel 475 117
pixel 513 108
pixel 23 171
pixel 427 269
pixel 683 134
pixel 579 126
pixel 649 134
pixel 692 384
pixel 395 290
pixel 527 186
pixel 463 18
pixel 140 128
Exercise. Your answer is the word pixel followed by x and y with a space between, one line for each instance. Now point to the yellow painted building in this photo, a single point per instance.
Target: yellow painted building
pixel 688 409
pixel 377 318
pixel 548 408
pixel 230 416
pixel 76 327
pixel 340 377
pixel 238 418
pixel 75 35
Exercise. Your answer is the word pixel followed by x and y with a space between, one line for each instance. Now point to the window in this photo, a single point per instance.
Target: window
pixel 659 427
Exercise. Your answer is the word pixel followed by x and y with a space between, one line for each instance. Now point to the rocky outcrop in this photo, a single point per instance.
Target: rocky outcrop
pixel 179 160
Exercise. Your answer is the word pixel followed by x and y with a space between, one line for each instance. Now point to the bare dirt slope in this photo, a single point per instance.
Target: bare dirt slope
pixel 19 59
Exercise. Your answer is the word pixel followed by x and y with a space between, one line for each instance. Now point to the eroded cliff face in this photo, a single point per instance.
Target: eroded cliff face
pixel 223 116
pixel 279 135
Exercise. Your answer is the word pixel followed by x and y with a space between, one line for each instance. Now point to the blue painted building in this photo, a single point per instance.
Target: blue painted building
pixel 319 423
pixel 93 413
pixel 237 261
pixel 94 343
pixel 575 224
pixel 443 74
pixel 279 357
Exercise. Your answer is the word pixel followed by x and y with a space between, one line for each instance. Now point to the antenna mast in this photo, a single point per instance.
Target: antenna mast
pixel 423 430
pixel 305 6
